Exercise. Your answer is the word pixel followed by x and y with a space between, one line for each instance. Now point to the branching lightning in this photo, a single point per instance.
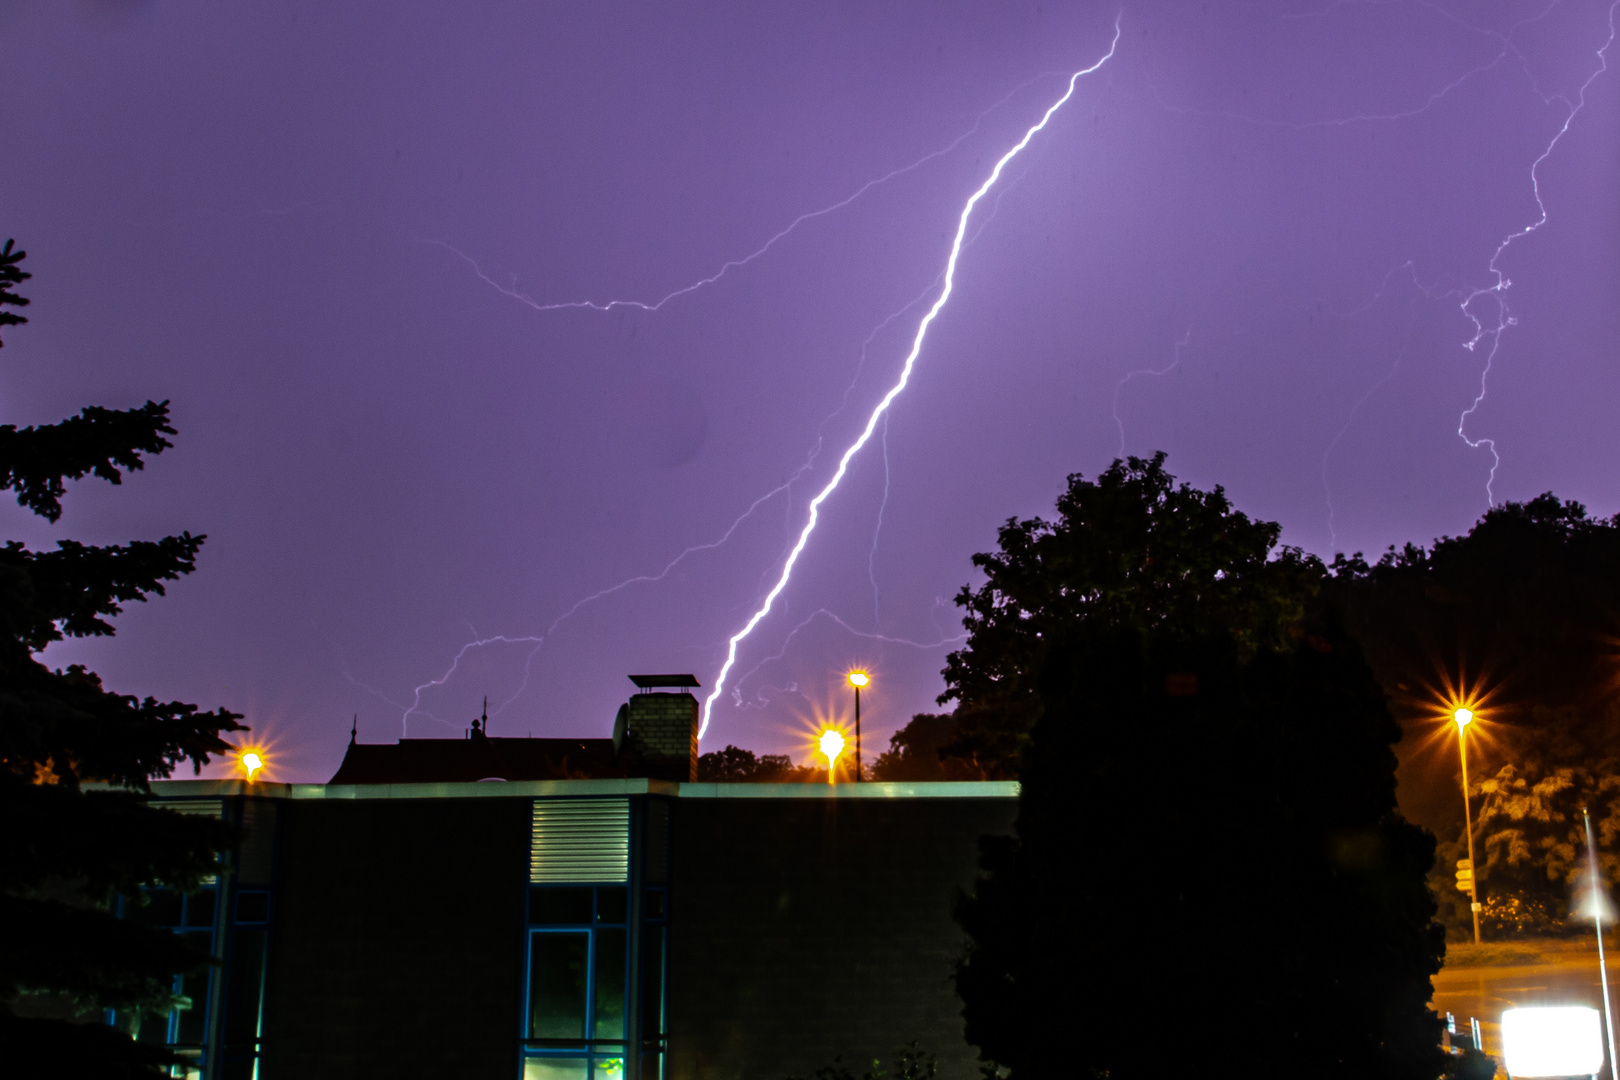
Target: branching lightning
pixel 1484 328
pixel 793 688
pixel 512 291
pixel 1119 387
pixel 899 386
pixel 1487 329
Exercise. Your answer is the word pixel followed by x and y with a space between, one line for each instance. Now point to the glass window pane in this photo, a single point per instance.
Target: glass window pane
pixel 191 1022
pixel 609 1015
pixel 252 906
pixel 162 907
pixel 557 986
pixel 608 1068
pixel 152 1028
pixel 200 908
pixel 610 904
pixel 554 1068
pixel 243 990
pixel 652 982
pixel 564 906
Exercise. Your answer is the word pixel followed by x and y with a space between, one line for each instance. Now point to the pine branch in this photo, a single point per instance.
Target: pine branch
pixel 35 461
pixel 72 591
pixel 106 842
pixel 12 273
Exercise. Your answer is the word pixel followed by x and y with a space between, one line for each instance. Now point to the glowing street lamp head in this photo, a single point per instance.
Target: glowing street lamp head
pixel 858 679
pixel 251 762
pixel 1464 717
pixel 832 744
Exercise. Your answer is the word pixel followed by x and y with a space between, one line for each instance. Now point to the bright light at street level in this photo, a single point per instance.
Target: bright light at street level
pixel 1463 717
pixel 1557 1041
pixel 832 744
pixel 252 762
pixel 858 679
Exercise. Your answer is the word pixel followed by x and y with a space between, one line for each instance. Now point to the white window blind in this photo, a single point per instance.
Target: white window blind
pixel 580 840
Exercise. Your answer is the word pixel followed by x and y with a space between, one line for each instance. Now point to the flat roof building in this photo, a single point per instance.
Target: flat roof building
pixel 582 928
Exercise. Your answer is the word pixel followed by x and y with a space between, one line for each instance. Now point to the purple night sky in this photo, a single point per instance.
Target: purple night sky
pixel 327 232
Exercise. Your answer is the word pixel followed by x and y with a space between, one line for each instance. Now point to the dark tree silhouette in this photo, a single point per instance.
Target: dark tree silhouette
pixel 1129 547
pixel 1525 608
pixel 1208 800
pixel 734 765
pixel 75 759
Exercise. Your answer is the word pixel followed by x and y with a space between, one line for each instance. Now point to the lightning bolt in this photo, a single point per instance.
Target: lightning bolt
pixel 514 293
pixel 899 386
pixel 793 688
pixel 1484 328
pixel 1129 375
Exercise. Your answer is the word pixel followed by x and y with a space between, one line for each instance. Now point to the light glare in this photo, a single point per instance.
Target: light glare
pixel 1565 1040
pixel 1463 717
pixel 858 679
pixel 832 744
pixel 252 762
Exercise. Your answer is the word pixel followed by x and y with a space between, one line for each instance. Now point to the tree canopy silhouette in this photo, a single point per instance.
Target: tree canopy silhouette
pixel 75 759
pixel 1130 547
pixel 1520 617
pixel 1208 799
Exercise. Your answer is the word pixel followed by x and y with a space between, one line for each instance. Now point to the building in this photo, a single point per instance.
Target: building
pixel 624 921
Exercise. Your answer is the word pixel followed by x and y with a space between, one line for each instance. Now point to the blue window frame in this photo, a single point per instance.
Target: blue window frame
pixel 575 992
pixel 190 1028
pixel 595 941
pixel 184 1028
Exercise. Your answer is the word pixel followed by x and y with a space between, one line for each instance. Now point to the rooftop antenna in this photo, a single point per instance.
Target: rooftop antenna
pixel 354 729
pixel 486 714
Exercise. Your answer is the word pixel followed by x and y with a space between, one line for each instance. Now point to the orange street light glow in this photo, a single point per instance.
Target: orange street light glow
pixel 858 679
pixel 1463 717
pixel 832 744
pixel 252 762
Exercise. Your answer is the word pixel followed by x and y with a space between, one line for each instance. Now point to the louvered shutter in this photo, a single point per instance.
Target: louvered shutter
pixel 581 841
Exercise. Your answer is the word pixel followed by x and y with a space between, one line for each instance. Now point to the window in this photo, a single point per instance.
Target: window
pixel 594 961
pixel 231 922
pixel 578 967
pixel 185 1027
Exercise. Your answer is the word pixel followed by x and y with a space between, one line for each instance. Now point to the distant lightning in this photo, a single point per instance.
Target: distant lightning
pixel 793 688
pixel 538 640
pixel 899 386
pixel 1498 289
pixel 512 291
pixel 1129 375
pixel 1486 329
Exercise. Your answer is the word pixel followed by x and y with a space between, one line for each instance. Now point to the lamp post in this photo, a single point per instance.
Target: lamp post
pixel 858 679
pixel 1464 717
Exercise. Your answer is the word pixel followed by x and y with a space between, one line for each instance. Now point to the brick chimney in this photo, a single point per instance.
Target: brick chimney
pixel 656 733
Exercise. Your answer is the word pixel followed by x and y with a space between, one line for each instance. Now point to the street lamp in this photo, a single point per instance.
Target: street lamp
pixel 1464 717
pixel 252 762
pixel 832 744
pixel 858 679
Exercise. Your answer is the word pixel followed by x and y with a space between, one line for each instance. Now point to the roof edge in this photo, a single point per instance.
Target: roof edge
pixel 541 789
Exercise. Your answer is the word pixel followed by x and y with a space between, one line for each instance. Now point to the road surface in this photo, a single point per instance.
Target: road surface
pixel 1485 991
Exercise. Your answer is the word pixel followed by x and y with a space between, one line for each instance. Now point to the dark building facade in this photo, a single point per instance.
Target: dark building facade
pixel 579 929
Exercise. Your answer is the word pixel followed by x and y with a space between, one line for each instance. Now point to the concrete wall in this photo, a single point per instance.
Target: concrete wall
pixel 804 928
pixel 396 947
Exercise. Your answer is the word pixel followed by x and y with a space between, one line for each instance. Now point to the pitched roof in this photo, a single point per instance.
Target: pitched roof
pixel 427 761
